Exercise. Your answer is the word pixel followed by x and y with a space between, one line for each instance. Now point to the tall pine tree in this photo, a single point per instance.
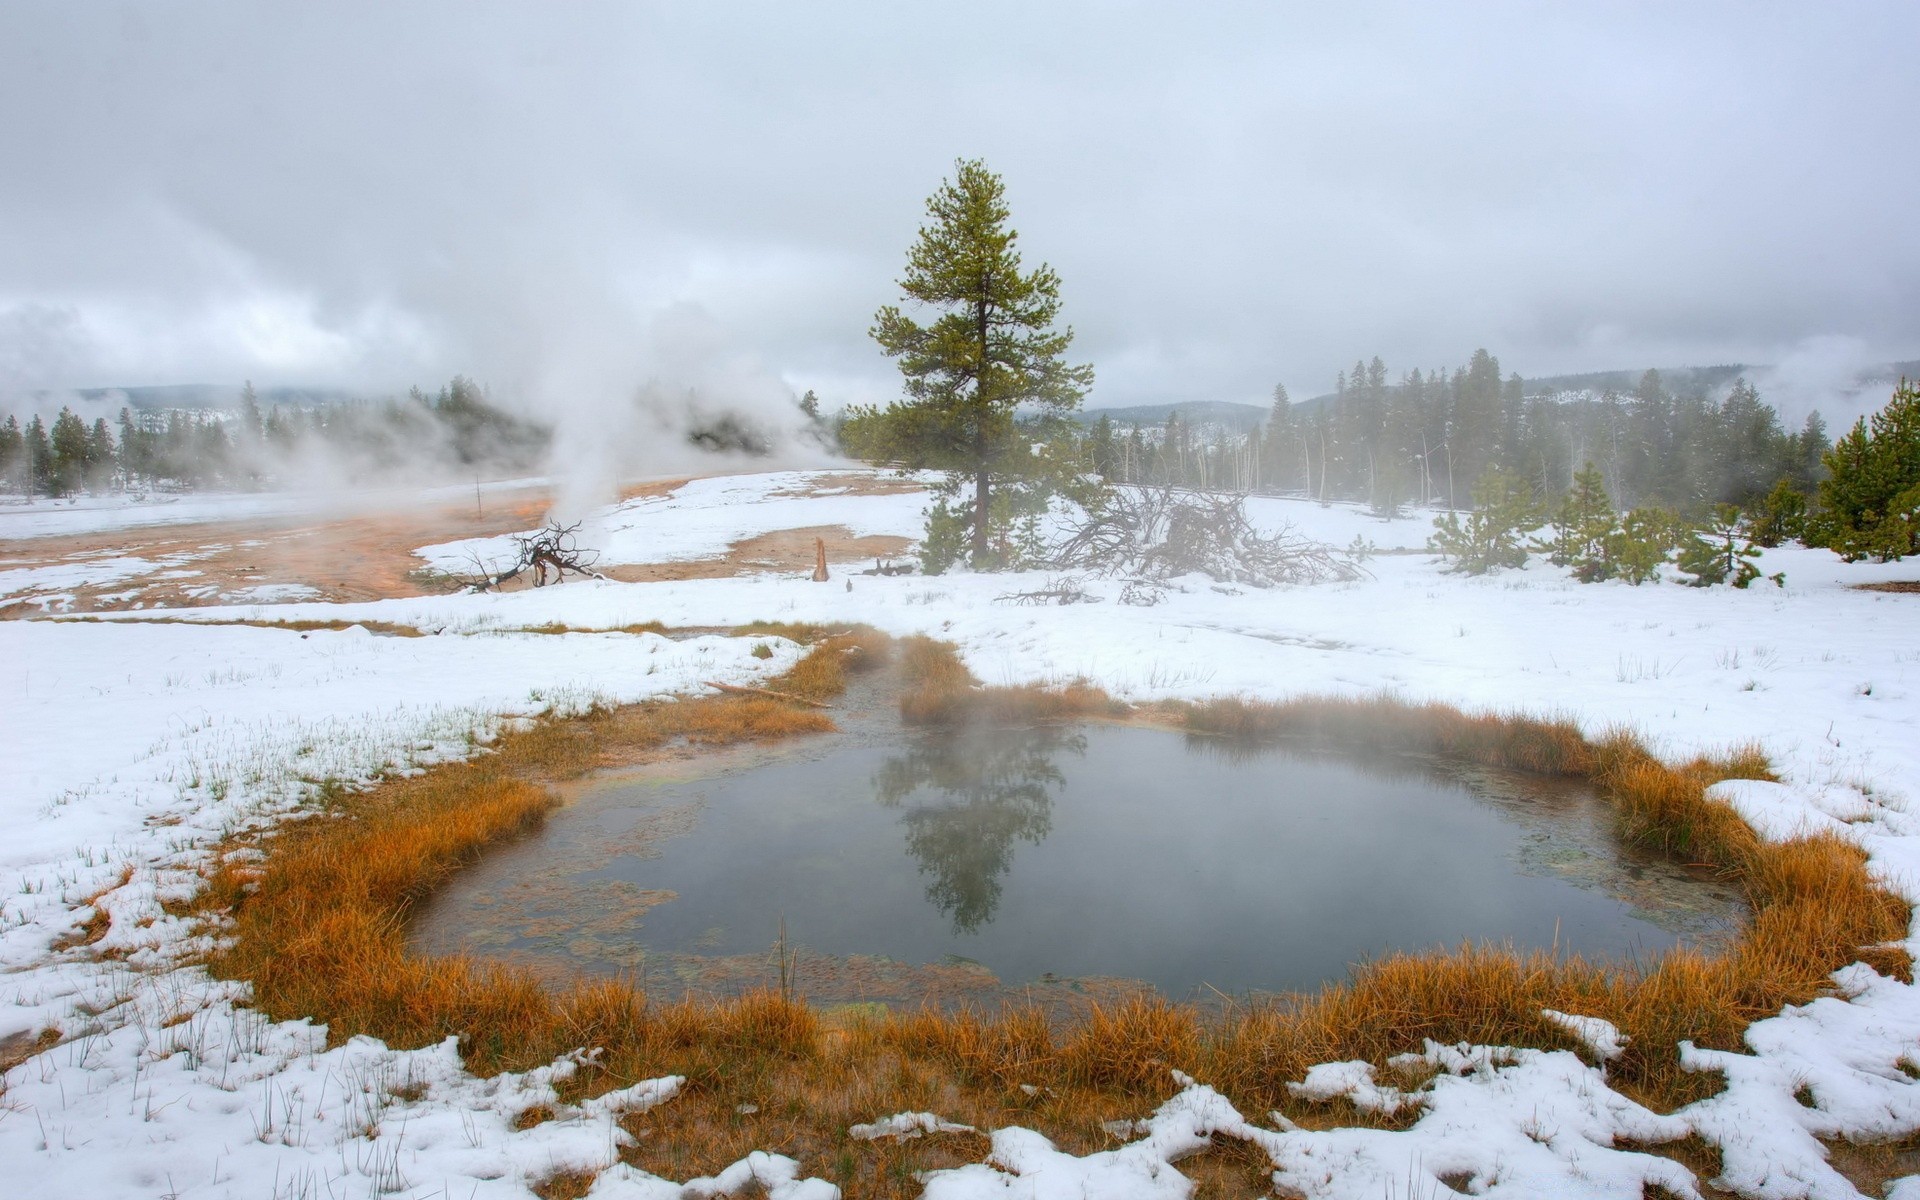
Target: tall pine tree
pixel 992 351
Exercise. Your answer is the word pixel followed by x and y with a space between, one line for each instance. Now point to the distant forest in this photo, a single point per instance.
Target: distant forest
pixel 1426 438
pixel 245 447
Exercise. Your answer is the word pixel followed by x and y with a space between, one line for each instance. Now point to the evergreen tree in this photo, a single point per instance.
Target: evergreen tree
pixel 1278 461
pixel 991 351
pixel 1806 451
pixel 1584 526
pixel 1494 533
pixel 68 468
pixel 1104 450
pixel 134 457
pixel 13 455
pixel 251 426
pixel 101 459
pixel 1640 544
pixel 1782 516
pixel 1870 499
pixel 39 457
pixel 1720 553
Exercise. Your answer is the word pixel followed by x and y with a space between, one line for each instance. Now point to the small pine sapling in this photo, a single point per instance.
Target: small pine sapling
pixel 1585 529
pixel 1781 517
pixel 1719 552
pixel 1640 545
pixel 1495 532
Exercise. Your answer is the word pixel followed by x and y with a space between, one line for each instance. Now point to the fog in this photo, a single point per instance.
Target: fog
pixel 604 210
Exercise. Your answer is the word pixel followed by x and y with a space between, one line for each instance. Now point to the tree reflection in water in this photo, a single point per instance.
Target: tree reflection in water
pixel 995 787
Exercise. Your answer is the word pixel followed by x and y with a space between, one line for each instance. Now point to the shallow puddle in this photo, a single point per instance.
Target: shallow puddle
pixel 1071 861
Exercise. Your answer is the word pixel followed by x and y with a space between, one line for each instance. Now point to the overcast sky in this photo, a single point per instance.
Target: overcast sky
pixel 577 198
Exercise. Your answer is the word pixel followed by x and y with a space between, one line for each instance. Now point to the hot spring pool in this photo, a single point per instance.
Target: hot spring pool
pixel 943 865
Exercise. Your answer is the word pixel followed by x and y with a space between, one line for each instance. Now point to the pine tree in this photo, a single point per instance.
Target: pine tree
pixel 251 427
pixel 1494 534
pixel 1782 516
pixel 39 457
pixel 991 351
pixel 100 456
pixel 1103 449
pixel 1870 499
pixel 1720 552
pixel 13 455
pixel 1584 527
pixel 1277 460
pixel 1640 544
pixel 68 467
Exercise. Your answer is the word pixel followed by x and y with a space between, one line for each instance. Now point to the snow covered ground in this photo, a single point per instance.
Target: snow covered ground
pixel 130 747
pixel 45 517
pixel 703 518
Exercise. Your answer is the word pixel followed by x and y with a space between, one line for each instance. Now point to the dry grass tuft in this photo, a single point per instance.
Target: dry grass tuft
pixel 1133 1046
pixel 941 691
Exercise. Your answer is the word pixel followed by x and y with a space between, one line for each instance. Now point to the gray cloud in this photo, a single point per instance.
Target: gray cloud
pixel 381 194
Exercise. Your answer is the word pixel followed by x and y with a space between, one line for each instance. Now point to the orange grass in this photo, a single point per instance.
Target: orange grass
pixel 319 933
pixel 941 691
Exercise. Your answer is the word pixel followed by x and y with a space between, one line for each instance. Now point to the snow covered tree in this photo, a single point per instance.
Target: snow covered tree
pixel 1870 499
pixel 989 357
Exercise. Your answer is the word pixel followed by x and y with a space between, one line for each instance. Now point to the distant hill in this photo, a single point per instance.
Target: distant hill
pixel 1224 413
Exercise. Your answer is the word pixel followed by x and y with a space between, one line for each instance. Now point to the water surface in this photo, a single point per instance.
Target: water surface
pixel 951 865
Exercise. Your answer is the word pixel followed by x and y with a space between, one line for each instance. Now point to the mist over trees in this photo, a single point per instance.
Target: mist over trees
pixel 245 447
pixel 1428 437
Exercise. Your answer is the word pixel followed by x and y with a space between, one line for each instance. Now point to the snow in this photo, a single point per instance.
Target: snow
pixel 131 747
pixel 43 516
pixel 703 518
pixel 906 1127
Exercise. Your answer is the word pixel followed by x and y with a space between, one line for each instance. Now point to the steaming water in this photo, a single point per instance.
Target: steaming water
pixel 903 868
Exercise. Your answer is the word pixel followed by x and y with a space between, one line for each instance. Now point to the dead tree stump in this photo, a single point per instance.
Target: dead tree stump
pixel 819 560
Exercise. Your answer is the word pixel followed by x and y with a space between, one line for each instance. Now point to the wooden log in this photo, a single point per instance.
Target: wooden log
pixel 767 692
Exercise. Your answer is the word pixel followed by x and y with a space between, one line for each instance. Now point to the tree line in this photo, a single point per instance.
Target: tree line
pixel 178 448
pixel 1427 438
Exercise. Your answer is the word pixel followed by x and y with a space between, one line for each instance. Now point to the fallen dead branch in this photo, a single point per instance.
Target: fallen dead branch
pixel 553 548
pixel 1057 591
pixel 1156 534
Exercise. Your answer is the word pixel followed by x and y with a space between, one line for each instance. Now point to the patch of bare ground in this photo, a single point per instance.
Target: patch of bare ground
pixel 855 483
pixel 784 550
pixel 350 558
pixel 320 933
pixel 1903 587
pixel 1871 1166
pixel 344 558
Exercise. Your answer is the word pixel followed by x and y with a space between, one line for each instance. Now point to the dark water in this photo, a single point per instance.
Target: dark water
pixel 1047 854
